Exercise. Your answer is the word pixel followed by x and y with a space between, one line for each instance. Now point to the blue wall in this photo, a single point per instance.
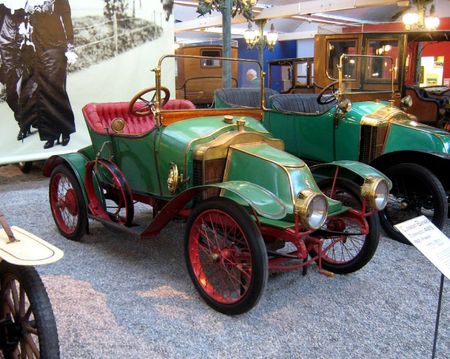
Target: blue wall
pixel 282 50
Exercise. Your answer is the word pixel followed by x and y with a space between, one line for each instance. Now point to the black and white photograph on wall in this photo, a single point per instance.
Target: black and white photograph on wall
pixel 58 55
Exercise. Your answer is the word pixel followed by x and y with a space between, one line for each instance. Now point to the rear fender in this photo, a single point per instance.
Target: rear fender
pixel 75 161
pixel 351 170
pixel 264 202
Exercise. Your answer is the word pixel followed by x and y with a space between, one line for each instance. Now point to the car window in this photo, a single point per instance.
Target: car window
pixel 378 68
pixel 335 49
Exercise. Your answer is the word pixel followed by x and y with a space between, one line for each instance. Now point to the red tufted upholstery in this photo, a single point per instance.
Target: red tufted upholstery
pixel 176 104
pixel 100 115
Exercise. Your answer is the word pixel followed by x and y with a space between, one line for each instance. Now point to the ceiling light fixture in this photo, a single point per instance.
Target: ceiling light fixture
pixel 416 18
pixel 255 37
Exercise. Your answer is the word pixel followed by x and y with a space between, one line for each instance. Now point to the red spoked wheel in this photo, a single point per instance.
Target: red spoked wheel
pixel 226 256
pixel 27 324
pixel 108 192
pixel 67 203
pixel 356 238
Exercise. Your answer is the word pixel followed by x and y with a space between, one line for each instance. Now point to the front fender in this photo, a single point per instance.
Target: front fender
pixel 264 202
pixel 351 170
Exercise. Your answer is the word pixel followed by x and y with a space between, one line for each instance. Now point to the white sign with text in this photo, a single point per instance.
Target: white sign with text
pixel 429 240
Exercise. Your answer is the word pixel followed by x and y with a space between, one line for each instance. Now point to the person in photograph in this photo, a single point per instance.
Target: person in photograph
pixel 45 101
pixel 13 54
pixel 252 78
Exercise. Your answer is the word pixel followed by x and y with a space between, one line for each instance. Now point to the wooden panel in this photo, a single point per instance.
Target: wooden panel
pixel 424 110
pixel 168 117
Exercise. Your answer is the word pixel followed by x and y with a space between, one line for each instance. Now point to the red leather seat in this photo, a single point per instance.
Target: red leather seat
pixel 99 116
pixel 177 104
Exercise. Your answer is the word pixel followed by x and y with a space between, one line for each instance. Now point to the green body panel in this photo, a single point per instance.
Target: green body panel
pixel 146 160
pixel 308 136
pixel 412 136
pixel 179 140
pixel 315 136
pixel 312 136
pixel 351 168
pixel 284 175
pixel 134 156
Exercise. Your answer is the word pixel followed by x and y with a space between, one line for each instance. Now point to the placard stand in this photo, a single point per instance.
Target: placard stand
pixel 438 315
pixel 435 246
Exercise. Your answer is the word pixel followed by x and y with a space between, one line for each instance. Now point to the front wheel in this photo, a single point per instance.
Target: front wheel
pixel 225 256
pixel 415 191
pixel 27 323
pixel 354 250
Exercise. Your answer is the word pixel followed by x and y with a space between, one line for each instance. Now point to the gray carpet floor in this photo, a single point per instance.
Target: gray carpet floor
pixel 117 297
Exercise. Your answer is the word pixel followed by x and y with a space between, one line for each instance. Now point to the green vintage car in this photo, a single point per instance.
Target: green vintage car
pixel 249 205
pixel 339 124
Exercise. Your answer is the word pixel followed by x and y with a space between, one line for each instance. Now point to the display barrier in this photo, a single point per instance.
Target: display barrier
pixel 58 55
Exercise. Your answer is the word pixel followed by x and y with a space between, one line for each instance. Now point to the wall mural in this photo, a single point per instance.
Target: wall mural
pixel 58 55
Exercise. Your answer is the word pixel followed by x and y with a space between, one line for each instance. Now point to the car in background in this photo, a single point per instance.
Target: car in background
pixel 248 205
pixel 430 96
pixel 329 127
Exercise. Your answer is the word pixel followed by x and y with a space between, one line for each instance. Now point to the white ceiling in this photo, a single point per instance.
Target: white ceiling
pixel 312 16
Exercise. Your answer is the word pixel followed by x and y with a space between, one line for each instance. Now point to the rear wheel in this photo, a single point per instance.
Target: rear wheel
pixel 355 249
pixel 27 323
pixel 415 191
pixel 225 255
pixel 108 192
pixel 67 203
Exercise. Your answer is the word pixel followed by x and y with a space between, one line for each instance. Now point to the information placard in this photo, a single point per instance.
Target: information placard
pixel 429 240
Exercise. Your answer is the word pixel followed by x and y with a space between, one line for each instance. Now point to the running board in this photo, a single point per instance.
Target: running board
pixel 135 231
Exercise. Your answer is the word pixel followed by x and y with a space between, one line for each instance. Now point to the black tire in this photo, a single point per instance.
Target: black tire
pixel 33 322
pixel 425 193
pixel 356 250
pixel 245 274
pixel 25 167
pixel 67 203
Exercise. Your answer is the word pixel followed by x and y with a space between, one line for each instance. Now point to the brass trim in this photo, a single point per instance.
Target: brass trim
pixel 228 119
pixel 218 147
pixel 189 144
pixel 382 116
pixel 173 179
pixel 117 125
pixel 368 190
pixel 302 203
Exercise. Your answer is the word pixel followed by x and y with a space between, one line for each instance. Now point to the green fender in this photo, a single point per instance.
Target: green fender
pixel 264 202
pixel 76 161
pixel 351 170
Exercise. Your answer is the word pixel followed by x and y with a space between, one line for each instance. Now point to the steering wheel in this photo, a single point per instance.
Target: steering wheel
pixel 144 107
pixel 322 93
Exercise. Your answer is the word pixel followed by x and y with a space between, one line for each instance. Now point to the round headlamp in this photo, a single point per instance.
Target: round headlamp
pixel 376 191
pixel 311 208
